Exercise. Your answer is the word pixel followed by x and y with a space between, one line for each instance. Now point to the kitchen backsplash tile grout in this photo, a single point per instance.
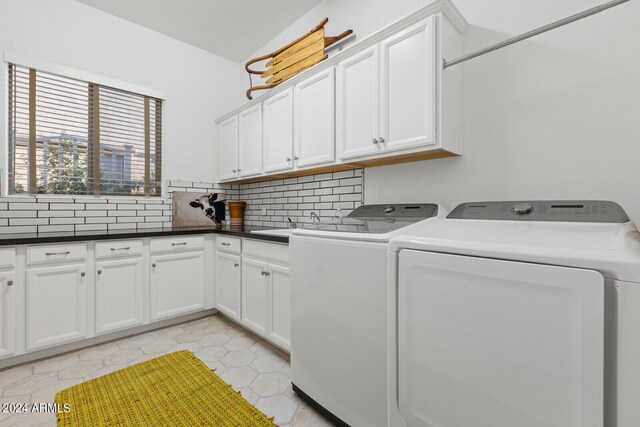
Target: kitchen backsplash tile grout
pixel 293 198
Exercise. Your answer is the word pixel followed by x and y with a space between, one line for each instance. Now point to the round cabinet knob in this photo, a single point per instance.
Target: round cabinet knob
pixel 389 210
pixel 522 208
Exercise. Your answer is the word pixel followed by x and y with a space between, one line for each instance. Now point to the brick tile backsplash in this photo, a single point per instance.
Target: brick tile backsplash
pixel 296 198
pixel 281 199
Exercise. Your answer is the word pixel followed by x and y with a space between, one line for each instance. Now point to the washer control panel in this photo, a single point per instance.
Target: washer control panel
pixel 396 210
pixel 563 211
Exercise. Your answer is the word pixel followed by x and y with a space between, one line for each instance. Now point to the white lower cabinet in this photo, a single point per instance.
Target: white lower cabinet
pixel 56 305
pixel 119 294
pixel 7 314
pixel 255 295
pixel 228 284
pixel 177 284
pixel 280 314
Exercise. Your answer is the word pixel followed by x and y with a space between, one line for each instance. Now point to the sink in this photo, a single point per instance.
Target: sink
pixel 286 232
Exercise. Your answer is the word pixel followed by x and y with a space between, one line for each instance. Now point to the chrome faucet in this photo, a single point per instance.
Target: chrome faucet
pixel 338 215
pixel 315 219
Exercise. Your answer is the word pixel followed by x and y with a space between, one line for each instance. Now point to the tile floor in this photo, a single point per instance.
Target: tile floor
pixel 251 365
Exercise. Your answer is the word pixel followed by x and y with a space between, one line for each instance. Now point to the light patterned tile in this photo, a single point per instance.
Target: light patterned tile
pixel 307 417
pixel 217 367
pixel 271 384
pixel 47 394
pixel 249 395
pixel 239 343
pixel 29 384
pixel 239 377
pixel 193 347
pixel 99 351
pixel 104 371
pixel 262 347
pixel 158 346
pixel 26 398
pixel 41 419
pixel 55 364
pixel 211 354
pixel 280 407
pixel 11 375
pixel 268 363
pixel 167 333
pixel 136 341
pixel 214 340
pixel 122 357
pixel 235 359
pixel 80 369
pixel 144 358
pixel 189 337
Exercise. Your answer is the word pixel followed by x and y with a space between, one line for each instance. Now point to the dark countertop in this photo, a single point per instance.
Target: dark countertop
pixel 9 239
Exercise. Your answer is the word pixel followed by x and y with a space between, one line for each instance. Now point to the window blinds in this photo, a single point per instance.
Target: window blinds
pixel 67 136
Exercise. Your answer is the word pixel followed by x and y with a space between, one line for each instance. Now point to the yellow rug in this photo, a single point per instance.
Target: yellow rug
pixel 172 390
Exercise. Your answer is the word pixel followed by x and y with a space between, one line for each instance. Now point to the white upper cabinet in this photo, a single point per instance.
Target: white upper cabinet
pixel 314 105
pixel 277 136
pixel 408 87
pixel 229 148
pixel 250 142
pixel 357 105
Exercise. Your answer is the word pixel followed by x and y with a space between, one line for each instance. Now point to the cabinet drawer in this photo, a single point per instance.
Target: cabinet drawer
pixel 228 244
pixel 178 243
pixel 7 258
pixel 118 248
pixel 56 253
pixel 269 251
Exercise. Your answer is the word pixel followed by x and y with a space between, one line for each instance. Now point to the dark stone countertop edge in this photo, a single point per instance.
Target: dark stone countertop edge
pixel 43 238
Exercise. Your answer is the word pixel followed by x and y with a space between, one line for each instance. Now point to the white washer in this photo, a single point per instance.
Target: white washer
pixel 516 314
pixel 339 327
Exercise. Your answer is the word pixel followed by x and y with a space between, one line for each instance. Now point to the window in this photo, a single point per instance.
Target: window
pixel 68 136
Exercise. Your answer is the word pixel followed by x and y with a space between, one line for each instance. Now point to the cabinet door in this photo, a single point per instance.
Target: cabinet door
pixel 119 293
pixel 408 82
pixel 280 314
pixel 56 305
pixel 177 284
pixel 7 314
pixel 277 137
pixel 314 120
pixel 255 295
pixel 357 105
pixel 229 148
pixel 250 141
pixel 228 284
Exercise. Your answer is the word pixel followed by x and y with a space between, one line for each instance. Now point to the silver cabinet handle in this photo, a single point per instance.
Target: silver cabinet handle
pixel 82 274
pixel 126 248
pixel 153 265
pixel 179 244
pixel 265 273
pixel 234 171
pixel 288 159
pixel 57 253
pixel 225 244
pixel 295 157
pixel 99 271
pixel 381 140
pixel 235 264
pixel 10 283
pixel 375 141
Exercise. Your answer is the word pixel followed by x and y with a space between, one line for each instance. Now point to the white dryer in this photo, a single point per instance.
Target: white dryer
pixel 516 314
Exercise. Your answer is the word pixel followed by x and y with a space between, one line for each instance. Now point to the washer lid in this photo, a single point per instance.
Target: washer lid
pixel 612 248
pixel 543 210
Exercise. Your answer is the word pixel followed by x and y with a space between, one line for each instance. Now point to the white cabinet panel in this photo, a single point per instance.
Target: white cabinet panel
pixel 228 145
pixel 250 141
pixel 280 312
pixel 408 87
pixel 56 305
pixel 485 342
pixel 255 295
pixel 7 313
pixel 277 119
pixel 119 294
pixel 314 120
pixel 228 284
pixel 358 105
pixel 177 284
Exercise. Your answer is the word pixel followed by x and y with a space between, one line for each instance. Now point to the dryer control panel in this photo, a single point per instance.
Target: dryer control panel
pixel 543 210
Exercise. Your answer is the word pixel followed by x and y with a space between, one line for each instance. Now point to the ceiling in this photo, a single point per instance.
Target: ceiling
pixel 234 29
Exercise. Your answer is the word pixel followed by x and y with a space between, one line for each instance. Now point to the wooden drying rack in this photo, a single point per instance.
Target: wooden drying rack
pixel 294 58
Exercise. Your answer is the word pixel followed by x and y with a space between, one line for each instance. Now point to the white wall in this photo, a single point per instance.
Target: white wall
pixel 198 85
pixel 557 116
